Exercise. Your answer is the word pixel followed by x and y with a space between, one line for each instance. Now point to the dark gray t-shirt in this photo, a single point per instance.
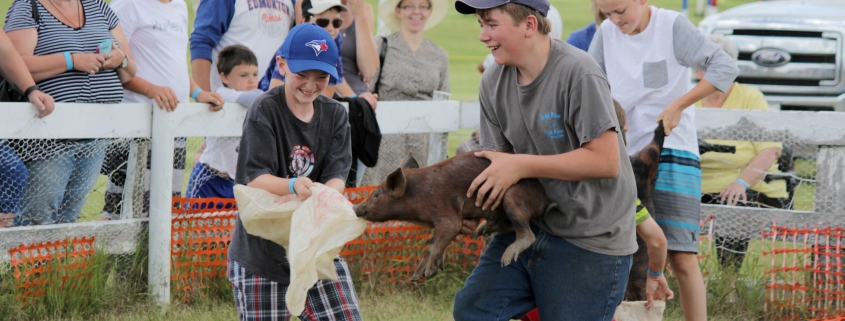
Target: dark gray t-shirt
pixel 566 106
pixel 275 142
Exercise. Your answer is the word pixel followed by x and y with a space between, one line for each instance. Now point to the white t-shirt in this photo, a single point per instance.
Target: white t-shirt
pixel 557 32
pixel 221 153
pixel 261 26
pixel 648 71
pixel 158 37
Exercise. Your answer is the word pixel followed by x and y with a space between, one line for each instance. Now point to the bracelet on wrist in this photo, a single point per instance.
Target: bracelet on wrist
pixel 30 90
pixel 290 185
pixel 654 274
pixel 741 182
pixel 196 93
pixel 353 96
pixel 68 60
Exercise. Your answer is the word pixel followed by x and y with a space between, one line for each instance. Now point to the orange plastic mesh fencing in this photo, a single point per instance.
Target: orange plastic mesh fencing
pixel 201 232
pixel 804 272
pixel 391 251
pixel 35 266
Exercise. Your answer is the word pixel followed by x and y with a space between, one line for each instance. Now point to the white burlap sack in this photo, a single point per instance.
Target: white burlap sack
pixel 312 232
pixel 636 311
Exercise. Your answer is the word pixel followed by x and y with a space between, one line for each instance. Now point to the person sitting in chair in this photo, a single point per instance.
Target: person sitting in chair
pixel 738 178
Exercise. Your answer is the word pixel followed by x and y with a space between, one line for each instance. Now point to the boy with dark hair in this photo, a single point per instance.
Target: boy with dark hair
pixel 546 111
pixel 213 174
pixel 293 137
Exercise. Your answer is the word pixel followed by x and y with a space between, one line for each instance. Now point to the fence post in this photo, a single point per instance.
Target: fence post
pixel 830 180
pixel 161 171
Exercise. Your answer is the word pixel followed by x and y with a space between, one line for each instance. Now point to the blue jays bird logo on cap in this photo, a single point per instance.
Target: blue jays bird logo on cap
pixel 318 46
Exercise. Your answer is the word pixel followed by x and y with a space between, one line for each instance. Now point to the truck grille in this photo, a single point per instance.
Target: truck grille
pixel 814 59
pixel 777 33
pixel 809 58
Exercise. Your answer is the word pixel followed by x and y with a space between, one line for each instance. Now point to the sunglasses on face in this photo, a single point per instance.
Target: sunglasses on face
pixel 324 22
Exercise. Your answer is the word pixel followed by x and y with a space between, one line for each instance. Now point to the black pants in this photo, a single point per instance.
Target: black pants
pixel 731 250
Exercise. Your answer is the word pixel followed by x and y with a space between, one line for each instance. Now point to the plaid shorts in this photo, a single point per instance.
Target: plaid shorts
pixel 258 298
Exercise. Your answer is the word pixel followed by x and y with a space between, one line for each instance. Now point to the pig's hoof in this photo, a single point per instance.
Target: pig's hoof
pixel 481 230
pixel 416 278
pixel 511 254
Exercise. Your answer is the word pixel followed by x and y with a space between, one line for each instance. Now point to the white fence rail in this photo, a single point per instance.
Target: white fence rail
pixel 821 130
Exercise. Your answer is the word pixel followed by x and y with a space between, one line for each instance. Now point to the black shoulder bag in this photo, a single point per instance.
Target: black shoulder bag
pixel 381 54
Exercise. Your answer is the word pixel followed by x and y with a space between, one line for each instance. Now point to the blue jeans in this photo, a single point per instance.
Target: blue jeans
pixel 13 179
pixel 563 281
pixel 59 184
pixel 205 183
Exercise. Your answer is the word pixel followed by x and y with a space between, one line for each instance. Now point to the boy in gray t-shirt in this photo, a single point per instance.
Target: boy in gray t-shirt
pixel 546 110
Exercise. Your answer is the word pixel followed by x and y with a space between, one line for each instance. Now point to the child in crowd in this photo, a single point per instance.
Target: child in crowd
pixel 645 52
pixel 326 14
pixel 213 175
pixel 157 32
pixel 293 137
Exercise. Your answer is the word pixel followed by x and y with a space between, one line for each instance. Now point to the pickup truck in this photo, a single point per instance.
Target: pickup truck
pixel 791 50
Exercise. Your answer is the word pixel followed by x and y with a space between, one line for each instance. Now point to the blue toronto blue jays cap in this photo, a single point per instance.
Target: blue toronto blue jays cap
pixel 469 6
pixel 309 47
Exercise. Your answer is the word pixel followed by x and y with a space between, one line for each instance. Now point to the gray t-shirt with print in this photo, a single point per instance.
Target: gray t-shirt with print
pixel 278 143
pixel 565 107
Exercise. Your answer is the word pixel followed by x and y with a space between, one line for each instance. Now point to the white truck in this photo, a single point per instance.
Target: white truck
pixel 791 50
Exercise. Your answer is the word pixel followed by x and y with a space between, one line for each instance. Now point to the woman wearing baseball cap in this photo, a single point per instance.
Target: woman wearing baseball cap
pixel 283 127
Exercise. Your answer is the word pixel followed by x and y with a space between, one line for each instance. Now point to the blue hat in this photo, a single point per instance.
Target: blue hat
pixel 309 47
pixel 469 6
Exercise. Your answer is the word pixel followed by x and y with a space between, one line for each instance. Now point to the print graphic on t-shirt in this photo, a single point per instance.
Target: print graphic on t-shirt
pixel 270 15
pixel 552 121
pixel 301 161
pixel 318 46
pixel 172 26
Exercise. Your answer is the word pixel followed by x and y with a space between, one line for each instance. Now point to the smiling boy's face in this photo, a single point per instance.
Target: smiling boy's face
pixel 304 87
pixel 500 35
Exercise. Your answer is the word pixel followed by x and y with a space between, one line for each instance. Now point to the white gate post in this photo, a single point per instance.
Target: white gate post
pixel 161 170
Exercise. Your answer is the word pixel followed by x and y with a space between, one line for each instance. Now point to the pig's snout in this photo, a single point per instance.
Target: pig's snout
pixel 359 211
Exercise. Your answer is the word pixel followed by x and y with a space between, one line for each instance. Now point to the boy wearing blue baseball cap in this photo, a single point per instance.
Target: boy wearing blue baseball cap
pixel 546 113
pixel 293 137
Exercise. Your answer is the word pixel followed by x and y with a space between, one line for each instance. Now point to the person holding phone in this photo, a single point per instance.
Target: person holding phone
pixel 59 44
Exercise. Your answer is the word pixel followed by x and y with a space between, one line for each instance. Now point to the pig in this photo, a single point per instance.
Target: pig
pixel 436 197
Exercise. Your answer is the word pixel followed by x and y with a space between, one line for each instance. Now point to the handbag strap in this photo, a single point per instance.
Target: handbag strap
pixel 381 54
pixel 35 15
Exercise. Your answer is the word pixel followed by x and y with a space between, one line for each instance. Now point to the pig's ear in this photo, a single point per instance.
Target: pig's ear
pixel 410 162
pixel 395 183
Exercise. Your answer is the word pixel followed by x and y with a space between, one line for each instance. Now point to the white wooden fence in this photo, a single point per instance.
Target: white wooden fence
pixel 18 121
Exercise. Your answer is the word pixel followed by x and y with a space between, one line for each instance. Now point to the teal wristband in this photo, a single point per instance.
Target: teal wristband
pixel 196 93
pixel 741 182
pixel 353 96
pixel 290 185
pixel 654 274
pixel 68 60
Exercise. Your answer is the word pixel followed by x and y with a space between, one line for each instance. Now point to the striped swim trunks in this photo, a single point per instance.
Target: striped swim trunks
pixel 677 199
pixel 259 299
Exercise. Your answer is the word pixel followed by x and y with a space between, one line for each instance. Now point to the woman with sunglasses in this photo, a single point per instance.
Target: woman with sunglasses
pixel 326 14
